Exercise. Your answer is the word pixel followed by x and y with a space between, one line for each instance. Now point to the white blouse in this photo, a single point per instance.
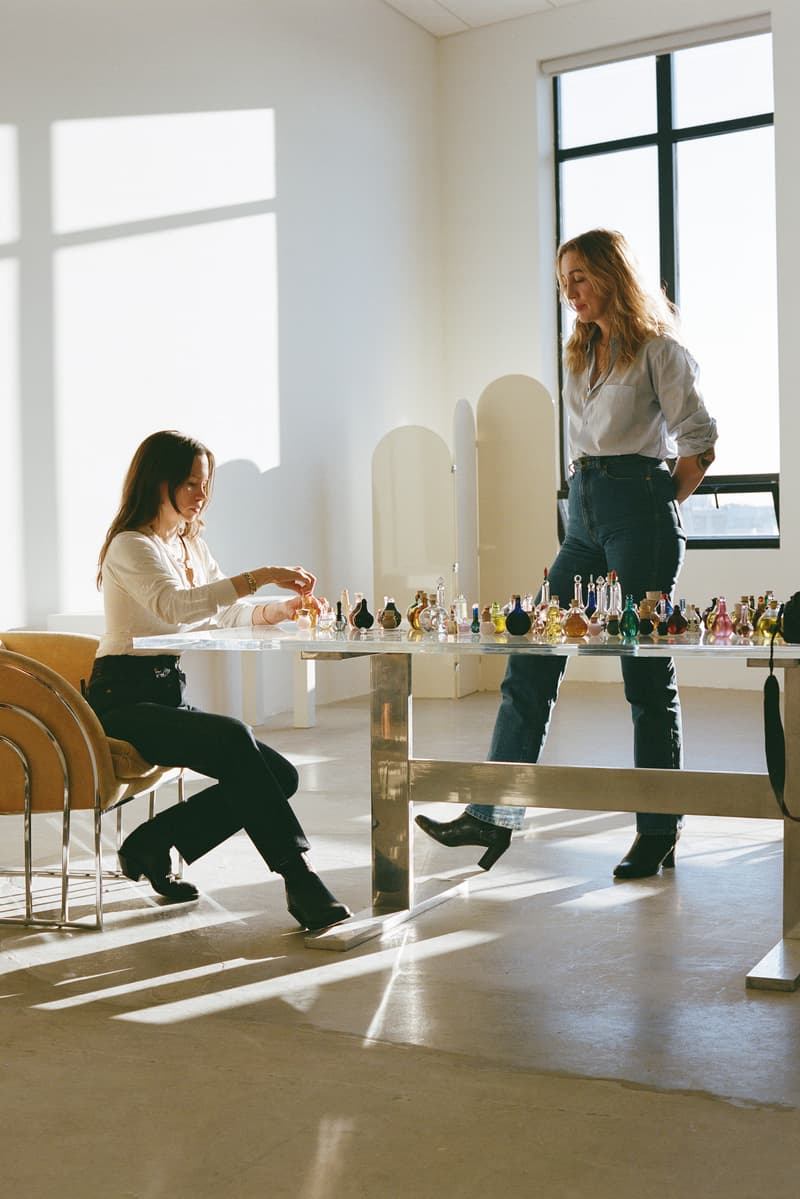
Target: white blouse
pixel 146 591
pixel 651 406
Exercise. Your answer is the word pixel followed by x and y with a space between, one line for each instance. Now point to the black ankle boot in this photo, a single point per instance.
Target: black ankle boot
pixel 308 899
pixel 648 853
pixel 468 830
pixel 141 855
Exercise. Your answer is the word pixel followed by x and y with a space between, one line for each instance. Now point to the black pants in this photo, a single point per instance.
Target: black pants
pixel 140 699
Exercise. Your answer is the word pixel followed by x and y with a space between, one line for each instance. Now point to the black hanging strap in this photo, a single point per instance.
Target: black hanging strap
pixel 774 740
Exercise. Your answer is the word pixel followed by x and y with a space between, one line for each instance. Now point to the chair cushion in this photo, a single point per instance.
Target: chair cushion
pixel 128 762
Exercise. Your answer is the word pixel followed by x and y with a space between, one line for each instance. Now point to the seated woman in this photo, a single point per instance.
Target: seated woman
pixel 158 576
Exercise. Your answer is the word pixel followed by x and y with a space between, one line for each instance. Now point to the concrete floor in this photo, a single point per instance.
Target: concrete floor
pixel 549 1034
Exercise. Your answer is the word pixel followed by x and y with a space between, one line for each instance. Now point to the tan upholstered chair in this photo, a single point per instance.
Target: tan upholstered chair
pixel 55 757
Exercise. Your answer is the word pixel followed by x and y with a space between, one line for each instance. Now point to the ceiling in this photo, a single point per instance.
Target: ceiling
pixel 456 16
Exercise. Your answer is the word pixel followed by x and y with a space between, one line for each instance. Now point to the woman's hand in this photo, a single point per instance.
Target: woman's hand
pixel 277 611
pixel 292 578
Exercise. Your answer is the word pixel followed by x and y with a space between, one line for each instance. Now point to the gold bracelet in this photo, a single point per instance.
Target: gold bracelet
pixel 251 581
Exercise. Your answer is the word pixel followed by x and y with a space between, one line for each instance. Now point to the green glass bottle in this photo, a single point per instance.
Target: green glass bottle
pixel 629 621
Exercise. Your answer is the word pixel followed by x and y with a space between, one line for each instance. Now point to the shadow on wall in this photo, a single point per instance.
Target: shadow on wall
pixel 482 516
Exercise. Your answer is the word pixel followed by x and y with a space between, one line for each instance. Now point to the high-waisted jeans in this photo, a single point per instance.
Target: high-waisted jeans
pixel 139 698
pixel 623 517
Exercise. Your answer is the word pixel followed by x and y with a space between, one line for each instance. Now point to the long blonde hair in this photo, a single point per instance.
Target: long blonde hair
pixel 635 315
pixel 163 457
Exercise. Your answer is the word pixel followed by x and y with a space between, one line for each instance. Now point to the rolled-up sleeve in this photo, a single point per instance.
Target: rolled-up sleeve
pixel 674 374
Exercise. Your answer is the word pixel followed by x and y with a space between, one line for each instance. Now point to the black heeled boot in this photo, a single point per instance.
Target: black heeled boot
pixel 468 830
pixel 143 855
pixel 648 853
pixel 308 899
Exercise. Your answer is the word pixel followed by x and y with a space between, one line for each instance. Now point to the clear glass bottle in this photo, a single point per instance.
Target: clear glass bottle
pixel 742 624
pixel 694 621
pixel 340 621
pixel 451 624
pixel 487 624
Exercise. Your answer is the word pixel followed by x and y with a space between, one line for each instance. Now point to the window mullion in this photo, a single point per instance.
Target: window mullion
pixel 667 206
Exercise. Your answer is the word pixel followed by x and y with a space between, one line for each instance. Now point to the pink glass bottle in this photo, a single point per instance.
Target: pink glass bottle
pixel 723 625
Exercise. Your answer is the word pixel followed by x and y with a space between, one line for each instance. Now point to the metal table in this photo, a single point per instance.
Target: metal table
pixel 398 779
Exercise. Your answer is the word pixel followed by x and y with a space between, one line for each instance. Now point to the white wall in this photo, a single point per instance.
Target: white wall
pixel 147 324
pixel 500 234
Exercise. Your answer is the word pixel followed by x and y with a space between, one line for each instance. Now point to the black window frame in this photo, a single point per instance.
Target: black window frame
pixel 666 138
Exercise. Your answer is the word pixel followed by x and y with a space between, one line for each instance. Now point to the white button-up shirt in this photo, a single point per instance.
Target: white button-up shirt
pixel 651 406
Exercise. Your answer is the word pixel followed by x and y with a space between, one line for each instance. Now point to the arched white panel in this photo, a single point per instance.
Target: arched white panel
pixel 413 532
pixel 517 518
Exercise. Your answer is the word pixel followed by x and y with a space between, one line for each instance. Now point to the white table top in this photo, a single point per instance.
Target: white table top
pixel 353 643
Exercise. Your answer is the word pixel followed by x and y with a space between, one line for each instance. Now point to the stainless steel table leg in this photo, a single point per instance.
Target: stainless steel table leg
pixel 394 896
pixel 779 970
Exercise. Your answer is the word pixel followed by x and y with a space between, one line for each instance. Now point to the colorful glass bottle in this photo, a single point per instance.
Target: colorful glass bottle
pixel 591 597
pixel 552 623
pixel 518 621
pixel 676 621
pixel 476 619
pixel 629 621
pixel 498 618
pixel 390 617
pixel 723 625
pixel 768 621
pixel 362 617
pixel 576 622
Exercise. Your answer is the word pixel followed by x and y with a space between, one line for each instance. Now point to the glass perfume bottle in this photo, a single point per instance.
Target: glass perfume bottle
pixel 768 621
pixel 433 619
pixel 544 600
pixel 340 621
pixel 414 609
pixel 518 621
pixel 591 597
pixel 552 624
pixel 629 621
pixel 354 609
pixel 362 617
pixel 676 621
pixel 451 624
pixel 487 624
pixel 576 622
pixel 694 621
pixel 390 617
pixel 462 611
pixel 614 604
pixel 498 618
pixel 662 616
pixel 710 616
pixel 303 620
pixel 647 606
pixel 476 619
pixel 723 625
pixel 742 624
pixel 325 617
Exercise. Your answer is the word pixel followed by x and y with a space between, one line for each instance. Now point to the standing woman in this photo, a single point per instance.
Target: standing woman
pixel 158 576
pixel 630 392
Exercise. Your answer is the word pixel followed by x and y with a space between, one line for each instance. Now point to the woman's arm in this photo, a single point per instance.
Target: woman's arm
pixel 689 473
pixel 291 578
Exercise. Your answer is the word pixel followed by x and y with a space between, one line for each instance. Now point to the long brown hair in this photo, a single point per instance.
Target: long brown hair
pixel 635 315
pixel 164 457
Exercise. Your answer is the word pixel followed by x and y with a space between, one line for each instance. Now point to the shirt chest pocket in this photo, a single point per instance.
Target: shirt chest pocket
pixel 613 401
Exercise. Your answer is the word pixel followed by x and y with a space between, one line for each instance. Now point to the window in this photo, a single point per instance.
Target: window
pixel 676 151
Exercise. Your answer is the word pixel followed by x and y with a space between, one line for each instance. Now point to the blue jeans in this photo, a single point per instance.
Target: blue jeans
pixel 623 517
